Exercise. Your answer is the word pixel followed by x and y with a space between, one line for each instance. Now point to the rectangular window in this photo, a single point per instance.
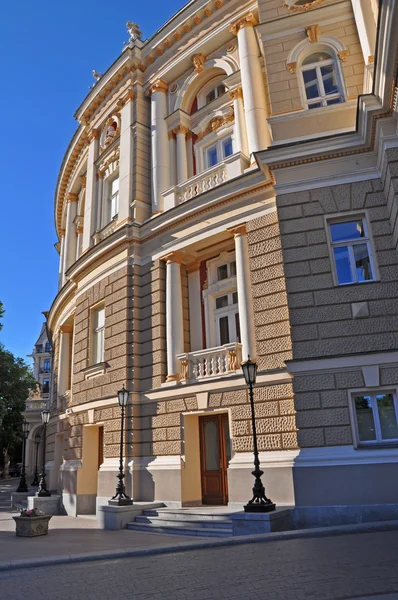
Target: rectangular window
pixel 218 151
pixel 212 156
pixel 113 198
pixel 376 417
pixel 227 319
pixel 46 365
pixel 46 386
pixel 351 251
pixel 98 317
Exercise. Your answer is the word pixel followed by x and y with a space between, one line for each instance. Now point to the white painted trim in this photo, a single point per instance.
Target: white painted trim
pixel 342 363
pixel 344 455
pixel 278 458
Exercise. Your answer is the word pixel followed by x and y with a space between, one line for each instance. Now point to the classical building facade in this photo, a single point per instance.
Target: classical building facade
pixel 231 191
pixel 38 399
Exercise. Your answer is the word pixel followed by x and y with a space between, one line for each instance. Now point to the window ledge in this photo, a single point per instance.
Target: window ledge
pixel 94 370
pixel 306 112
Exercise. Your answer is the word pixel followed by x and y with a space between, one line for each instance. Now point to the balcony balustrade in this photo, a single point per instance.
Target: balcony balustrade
pixel 210 363
pixel 39 404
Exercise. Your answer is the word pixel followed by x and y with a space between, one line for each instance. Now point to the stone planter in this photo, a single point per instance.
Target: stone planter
pixel 32 526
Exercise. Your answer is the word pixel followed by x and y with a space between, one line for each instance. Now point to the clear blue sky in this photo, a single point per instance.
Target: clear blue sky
pixel 48 49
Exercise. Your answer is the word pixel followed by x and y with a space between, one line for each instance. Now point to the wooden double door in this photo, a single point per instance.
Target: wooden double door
pixel 215 454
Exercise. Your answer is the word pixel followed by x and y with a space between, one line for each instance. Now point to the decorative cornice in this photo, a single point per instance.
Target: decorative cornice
pixel 303 7
pixel 247 21
pixel 313 32
pixel 215 123
pixel 236 93
pixel 198 61
pixel 128 97
pixel 158 86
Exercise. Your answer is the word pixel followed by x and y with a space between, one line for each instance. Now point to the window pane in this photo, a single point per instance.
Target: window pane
pixel 342 260
pixel 210 96
pixel 211 446
pixel 237 325
pixel 365 420
pixel 334 101
pixel 222 272
pixel 220 90
pixel 224 330
pixel 362 262
pixel 232 268
pixel 212 156
pixel 315 105
pixel 227 147
pixel 100 318
pixel 387 417
pixel 350 230
pixel 316 57
pixel 114 186
pixel 311 84
pixel 235 298
pixel 329 79
pixel 221 301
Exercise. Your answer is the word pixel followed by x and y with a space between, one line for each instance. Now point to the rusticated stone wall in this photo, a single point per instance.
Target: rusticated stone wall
pixel 271 317
pixel 275 417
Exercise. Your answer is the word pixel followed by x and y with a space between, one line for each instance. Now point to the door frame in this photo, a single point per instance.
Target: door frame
pixel 220 417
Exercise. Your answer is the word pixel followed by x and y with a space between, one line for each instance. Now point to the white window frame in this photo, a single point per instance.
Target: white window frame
pixel 216 138
pixel 207 88
pixel 97 336
pixel 113 198
pixel 379 441
pixel 347 217
pixel 219 146
pixel 227 311
pixel 214 290
pixel 111 174
pixel 323 98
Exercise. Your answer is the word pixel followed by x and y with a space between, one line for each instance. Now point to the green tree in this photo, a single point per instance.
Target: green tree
pixel 16 380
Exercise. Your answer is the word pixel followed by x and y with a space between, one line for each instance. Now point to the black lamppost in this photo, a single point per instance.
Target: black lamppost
pixel 22 487
pixel 37 443
pixel 121 498
pixel 43 491
pixel 259 502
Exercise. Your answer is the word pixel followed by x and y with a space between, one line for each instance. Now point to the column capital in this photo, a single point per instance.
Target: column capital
pixel 238 230
pixel 93 135
pixel 128 97
pixel 72 197
pixel 173 258
pixel 65 329
pixel 62 233
pixel 195 266
pixel 158 86
pixel 171 135
pixel 100 174
pixel 180 129
pixel 248 20
pixel 236 93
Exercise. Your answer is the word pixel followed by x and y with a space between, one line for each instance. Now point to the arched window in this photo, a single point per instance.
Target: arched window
pixel 320 80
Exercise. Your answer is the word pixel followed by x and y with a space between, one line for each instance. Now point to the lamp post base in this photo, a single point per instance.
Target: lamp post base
pixel 120 502
pixel 256 507
pixel 43 494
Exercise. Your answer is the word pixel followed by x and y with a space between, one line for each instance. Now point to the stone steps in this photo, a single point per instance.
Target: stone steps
pixel 203 523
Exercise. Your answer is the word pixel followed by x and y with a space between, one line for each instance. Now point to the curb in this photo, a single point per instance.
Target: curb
pixel 184 546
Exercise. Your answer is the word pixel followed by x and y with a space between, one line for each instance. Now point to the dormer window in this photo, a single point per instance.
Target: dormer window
pixel 320 80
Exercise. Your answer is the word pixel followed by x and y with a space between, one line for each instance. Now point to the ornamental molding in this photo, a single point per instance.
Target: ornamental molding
pixel 292 67
pixel 343 55
pixel 198 61
pixel 180 129
pixel 158 86
pixel 313 32
pixel 215 123
pixel 236 93
pixel 72 197
pixel 247 21
pixel 93 135
pixel 110 158
pixel 302 7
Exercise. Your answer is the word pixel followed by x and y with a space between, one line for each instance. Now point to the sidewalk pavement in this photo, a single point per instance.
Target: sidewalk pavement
pixel 78 539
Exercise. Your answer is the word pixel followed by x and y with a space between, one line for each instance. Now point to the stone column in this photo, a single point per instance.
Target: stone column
pixel 174 315
pixel 126 158
pixel 172 154
pixel 182 161
pixel 245 302
pixel 70 232
pixel 240 122
pixel 79 234
pixel 195 307
pixel 101 220
pixel 252 84
pixel 91 192
pixel 61 259
pixel 366 27
pixel 64 356
pixel 159 144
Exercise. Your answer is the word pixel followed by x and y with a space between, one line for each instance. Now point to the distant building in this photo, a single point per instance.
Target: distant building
pixel 39 398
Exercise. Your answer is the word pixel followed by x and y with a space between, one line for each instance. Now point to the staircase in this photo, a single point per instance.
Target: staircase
pixel 199 521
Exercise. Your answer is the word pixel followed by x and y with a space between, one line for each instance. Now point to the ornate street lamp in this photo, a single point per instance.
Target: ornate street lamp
pixel 259 502
pixel 43 491
pixel 35 481
pixel 22 487
pixel 121 498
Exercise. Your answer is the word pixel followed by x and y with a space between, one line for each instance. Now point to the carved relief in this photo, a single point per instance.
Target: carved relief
pixel 313 32
pixel 300 6
pixel 198 61
pixel 216 123
pixel 292 67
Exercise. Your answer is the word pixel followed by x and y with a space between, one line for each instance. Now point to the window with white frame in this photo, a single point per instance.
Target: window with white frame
pixel 351 249
pixel 98 335
pixel 113 198
pixel 376 417
pixel 320 80
pixel 221 302
pixel 216 92
pixel 215 153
